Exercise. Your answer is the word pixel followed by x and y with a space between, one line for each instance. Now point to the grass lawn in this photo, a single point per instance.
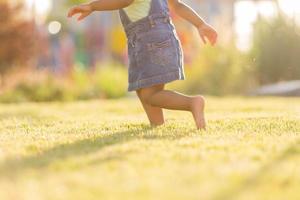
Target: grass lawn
pixel 105 150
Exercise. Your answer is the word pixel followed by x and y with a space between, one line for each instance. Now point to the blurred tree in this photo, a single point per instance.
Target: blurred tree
pixel 276 50
pixel 16 36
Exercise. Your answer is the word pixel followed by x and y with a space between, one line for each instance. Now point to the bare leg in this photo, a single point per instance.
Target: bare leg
pixel 158 97
pixel 154 114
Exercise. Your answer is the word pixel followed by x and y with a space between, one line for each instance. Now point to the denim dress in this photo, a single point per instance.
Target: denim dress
pixel 154 50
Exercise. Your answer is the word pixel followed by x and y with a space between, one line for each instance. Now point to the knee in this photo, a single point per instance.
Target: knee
pixel 199 101
pixel 145 96
pixel 200 98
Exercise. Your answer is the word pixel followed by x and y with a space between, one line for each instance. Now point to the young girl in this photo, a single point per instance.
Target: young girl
pixel 155 53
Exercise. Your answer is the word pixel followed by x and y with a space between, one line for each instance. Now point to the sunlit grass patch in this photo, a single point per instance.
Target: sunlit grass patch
pixel 106 150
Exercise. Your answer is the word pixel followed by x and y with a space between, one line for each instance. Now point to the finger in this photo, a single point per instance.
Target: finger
pixel 74 11
pixel 212 39
pixel 82 16
pixel 213 42
pixel 215 38
pixel 203 38
pixel 71 13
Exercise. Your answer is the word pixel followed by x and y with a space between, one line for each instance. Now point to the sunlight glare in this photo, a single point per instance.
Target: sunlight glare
pixel 39 8
pixel 42 6
pixel 266 8
pixel 290 7
pixel 29 3
pixel 245 14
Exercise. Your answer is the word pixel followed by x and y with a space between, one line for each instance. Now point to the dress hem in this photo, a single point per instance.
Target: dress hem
pixel 155 80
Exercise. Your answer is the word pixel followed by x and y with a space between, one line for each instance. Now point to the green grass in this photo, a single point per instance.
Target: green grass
pixel 106 150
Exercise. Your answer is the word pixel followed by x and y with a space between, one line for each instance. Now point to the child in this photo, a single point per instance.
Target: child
pixel 155 53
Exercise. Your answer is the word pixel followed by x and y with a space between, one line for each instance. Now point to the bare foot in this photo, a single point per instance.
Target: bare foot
pixel 197 109
pixel 157 124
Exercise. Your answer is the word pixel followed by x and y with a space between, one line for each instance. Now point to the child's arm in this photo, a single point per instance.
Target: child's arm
pixel 98 5
pixel 186 12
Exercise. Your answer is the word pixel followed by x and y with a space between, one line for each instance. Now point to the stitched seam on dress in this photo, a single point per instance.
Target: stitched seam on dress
pixel 161 75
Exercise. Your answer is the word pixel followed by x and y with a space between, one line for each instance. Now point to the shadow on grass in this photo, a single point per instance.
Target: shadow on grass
pixel 253 180
pixel 13 167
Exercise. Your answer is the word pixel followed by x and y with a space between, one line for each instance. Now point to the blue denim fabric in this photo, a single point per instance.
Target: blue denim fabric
pixel 154 50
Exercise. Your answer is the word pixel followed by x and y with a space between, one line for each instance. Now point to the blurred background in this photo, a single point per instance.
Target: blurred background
pixel 46 57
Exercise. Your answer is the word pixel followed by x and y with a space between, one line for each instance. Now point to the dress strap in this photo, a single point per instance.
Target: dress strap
pixel 124 17
pixel 159 6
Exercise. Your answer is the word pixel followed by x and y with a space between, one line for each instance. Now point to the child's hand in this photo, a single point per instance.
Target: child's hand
pixel 84 10
pixel 208 33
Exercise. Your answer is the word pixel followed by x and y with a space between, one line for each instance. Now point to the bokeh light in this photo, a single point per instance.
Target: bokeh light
pixel 54 27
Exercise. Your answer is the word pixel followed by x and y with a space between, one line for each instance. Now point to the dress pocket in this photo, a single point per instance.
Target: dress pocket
pixel 163 53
